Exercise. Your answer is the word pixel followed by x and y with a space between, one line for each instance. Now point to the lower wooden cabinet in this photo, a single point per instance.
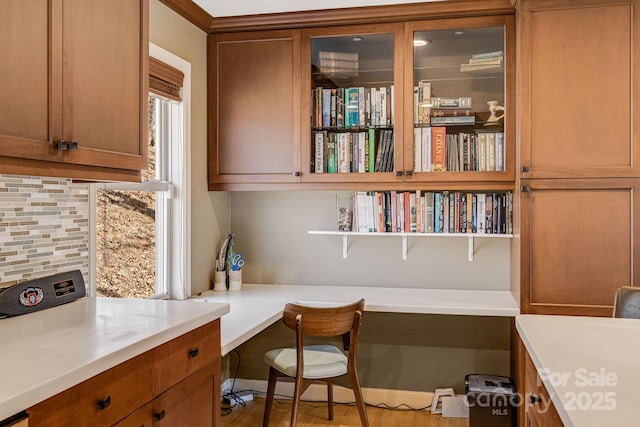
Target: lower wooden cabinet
pixel 538 408
pixel 579 240
pixel 175 384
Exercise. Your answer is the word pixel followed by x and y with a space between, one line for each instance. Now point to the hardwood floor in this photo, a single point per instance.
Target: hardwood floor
pixel 315 414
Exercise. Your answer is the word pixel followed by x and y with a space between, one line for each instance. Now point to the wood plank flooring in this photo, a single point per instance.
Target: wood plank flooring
pixel 315 414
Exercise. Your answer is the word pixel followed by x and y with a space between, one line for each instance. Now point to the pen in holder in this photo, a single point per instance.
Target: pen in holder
pixel 220 280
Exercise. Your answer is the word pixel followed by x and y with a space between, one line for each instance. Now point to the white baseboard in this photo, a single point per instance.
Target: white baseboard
pixel 318 392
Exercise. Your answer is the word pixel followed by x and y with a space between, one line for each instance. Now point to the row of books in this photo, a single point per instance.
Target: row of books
pixel 433 212
pixel 346 152
pixel 352 107
pixel 435 150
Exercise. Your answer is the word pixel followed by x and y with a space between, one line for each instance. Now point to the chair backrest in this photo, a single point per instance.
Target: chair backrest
pixel 627 302
pixel 327 321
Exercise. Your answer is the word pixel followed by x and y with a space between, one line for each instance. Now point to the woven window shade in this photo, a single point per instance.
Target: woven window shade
pixel 165 80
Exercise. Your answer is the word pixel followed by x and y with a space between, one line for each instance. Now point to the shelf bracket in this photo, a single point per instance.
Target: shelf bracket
pixel 345 241
pixel 404 247
pixel 471 250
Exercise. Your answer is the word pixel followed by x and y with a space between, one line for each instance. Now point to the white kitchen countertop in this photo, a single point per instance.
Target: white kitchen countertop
pixel 256 307
pixel 46 352
pixel 589 366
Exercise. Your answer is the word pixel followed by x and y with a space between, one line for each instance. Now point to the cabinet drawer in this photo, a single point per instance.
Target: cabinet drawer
pixel 98 401
pixel 179 358
pixel 539 409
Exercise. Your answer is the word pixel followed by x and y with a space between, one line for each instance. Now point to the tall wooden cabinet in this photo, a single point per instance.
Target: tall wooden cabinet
pixel 579 153
pixel 74 88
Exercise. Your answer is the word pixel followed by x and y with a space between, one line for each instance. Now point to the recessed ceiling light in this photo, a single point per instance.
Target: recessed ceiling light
pixel 421 42
pixel 357 39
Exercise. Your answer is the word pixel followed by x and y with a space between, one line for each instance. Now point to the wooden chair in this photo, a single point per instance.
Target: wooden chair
pixel 319 362
pixel 627 302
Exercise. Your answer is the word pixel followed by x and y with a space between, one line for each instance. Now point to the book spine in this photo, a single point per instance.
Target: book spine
pixel 437 220
pixel 417 149
pixel 394 211
pixel 326 107
pixel 319 151
pixel 480 213
pixel 345 56
pixel 446 212
pixel 372 150
pixel 500 151
pixel 453 120
pixel 450 102
pixel 428 211
pixel 361 107
pixel 470 207
pixel 491 151
pixel 438 153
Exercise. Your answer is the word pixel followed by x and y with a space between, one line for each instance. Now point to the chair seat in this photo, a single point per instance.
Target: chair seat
pixel 320 361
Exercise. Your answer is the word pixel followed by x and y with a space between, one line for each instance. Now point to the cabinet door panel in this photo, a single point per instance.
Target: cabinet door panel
pixel 26 80
pixel 581 240
pixel 579 88
pixel 105 82
pixel 254 107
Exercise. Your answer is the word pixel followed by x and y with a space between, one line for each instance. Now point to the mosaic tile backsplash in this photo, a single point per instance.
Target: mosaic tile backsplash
pixel 44 227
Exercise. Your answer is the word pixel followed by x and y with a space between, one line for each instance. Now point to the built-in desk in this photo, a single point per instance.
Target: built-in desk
pixel 589 366
pixel 256 307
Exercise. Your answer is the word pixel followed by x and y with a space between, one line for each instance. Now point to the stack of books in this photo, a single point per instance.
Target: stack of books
pixel 487 62
pixel 340 64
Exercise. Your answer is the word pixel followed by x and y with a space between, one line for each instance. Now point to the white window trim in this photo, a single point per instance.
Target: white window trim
pixel 179 282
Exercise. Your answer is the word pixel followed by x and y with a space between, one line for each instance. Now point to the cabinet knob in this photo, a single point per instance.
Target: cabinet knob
pixel 535 399
pixel 159 415
pixel 73 145
pixel 526 169
pixel 525 189
pixel 296 173
pixel 193 352
pixel 408 173
pixel 398 173
pixel 104 403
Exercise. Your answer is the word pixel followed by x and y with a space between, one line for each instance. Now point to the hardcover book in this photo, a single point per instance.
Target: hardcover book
pixel 439 152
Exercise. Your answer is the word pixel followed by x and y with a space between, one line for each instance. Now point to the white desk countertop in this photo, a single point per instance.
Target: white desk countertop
pixel 49 351
pixel 589 366
pixel 256 307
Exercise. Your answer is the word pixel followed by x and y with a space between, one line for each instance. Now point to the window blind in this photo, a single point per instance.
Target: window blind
pixel 164 80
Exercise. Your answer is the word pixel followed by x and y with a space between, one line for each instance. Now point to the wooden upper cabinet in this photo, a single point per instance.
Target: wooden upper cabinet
pixel 75 71
pixel 254 108
pixel 352 121
pixel 579 92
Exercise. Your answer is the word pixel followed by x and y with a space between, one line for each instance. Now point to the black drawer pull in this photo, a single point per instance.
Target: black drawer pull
pixel 104 403
pixel 535 399
pixel 526 169
pixel 193 352
pixel 159 415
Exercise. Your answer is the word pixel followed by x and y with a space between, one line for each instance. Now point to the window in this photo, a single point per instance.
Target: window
pixel 140 236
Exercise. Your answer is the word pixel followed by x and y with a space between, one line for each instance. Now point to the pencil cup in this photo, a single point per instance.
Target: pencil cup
pixel 220 281
pixel 235 280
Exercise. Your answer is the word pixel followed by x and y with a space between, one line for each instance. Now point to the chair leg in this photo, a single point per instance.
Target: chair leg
pixel 330 399
pixel 357 391
pixel 297 392
pixel 271 390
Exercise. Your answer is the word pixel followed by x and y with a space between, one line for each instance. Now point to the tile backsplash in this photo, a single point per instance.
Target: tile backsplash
pixel 44 227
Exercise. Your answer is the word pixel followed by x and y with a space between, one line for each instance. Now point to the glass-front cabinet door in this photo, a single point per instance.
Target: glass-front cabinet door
pixel 352 123
pixel 459 104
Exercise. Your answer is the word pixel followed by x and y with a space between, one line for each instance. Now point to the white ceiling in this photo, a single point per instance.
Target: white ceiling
pixel 220 8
